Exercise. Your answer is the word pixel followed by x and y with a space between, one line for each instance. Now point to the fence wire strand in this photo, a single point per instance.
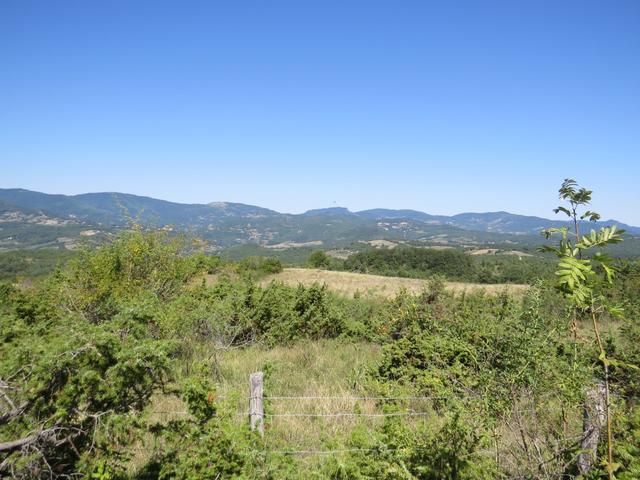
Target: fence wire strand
pixel 347 414
pixel 328 452
pixel 365 398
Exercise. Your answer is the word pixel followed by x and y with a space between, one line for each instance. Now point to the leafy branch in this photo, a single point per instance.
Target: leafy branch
pixel 579 275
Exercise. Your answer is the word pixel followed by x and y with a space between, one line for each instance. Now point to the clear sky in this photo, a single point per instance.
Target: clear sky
pixel 443 107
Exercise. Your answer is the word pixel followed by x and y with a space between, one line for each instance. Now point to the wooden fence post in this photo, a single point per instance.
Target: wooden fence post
pixel 594 420
pixel 256 408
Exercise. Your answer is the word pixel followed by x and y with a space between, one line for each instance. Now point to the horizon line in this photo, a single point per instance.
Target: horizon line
pixel 306 211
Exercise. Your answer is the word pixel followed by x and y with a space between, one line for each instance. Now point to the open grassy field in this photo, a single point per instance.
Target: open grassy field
pixel 349 283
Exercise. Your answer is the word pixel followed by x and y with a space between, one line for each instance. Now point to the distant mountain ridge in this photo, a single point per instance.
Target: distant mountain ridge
pixel 499 222
pixel 29 218
pixel 112 208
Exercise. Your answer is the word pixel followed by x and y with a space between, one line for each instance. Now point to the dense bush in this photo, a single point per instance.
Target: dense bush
pixel 319 259
pixel 449 450
pixel 261 265
pixel 74 388
pixel 511 269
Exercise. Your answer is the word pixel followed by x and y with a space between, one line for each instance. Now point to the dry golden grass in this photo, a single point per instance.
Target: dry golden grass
pixel 348 283
pixel 325 368
pixel 308 369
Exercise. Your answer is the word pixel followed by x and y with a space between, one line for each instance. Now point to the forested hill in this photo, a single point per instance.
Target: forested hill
pixel 110 208
pixel 31 219
pixel 498 222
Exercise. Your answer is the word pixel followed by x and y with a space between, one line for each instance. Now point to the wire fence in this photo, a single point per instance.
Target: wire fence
pixel 267 397
pixel 349 397
pixel 258 416
pixel 335 414
pixel 347 414
pixel 291 439
pixel 329 452
pixel 353 399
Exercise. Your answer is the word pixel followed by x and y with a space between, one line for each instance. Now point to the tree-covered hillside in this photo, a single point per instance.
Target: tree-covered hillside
pixel 36 220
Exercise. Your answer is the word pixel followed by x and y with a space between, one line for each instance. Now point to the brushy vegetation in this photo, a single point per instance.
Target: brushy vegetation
pixel 123 364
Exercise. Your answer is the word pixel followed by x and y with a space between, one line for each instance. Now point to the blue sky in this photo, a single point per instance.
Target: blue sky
pixel 438 106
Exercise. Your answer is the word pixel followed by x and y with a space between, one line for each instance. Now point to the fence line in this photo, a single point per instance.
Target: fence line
pixel 338 414
pixel 257 416
pixel 327 452
pixel 349 414
pixel 365 398
pixel 336 397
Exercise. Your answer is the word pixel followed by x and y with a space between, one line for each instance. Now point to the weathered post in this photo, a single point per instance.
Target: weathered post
pixel 256 408
pixel 594 419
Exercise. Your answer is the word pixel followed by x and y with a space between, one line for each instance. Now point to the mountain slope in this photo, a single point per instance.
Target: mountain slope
pixel 118 208
pixel 34 219
pixel 504 222
pixel 499 222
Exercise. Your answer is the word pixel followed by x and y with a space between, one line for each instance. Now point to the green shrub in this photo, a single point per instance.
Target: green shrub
pixel 319 259
pixel 260 265
pixel 97 281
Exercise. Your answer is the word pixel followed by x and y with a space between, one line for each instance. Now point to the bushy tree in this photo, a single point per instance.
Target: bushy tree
pixel 74 390
pixel 80 361
pixel 319 259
